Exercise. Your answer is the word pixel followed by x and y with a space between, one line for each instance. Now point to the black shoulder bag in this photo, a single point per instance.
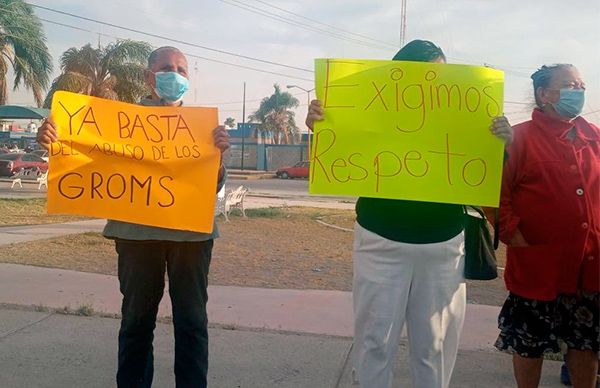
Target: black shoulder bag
pixel 480 258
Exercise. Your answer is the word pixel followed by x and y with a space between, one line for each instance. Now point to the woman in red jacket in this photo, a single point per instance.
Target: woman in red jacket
pixel 550 220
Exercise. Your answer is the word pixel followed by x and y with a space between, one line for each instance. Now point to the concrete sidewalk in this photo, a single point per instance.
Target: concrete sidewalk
pixel 303 311
pixel 43 350
pixel 16 234
pixel 259 337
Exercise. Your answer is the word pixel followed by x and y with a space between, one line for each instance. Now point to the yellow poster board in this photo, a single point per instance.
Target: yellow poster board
pixel 407 130
pixel 153 166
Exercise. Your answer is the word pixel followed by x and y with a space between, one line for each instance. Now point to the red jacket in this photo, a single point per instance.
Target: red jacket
pixel 551 193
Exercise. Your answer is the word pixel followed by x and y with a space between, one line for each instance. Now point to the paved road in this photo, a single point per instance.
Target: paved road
pixel 274 186
pixel 29 190
pixel 283 188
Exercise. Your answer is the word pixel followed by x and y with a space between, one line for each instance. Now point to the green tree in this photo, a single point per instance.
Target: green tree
pixel 274 116
pixel 23 47
pixel 114 72
pixel 230 122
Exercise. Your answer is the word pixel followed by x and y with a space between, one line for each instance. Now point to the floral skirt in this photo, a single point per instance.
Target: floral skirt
pixel 531 328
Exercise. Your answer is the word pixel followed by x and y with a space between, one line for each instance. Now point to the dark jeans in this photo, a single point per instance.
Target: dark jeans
pixel 142 267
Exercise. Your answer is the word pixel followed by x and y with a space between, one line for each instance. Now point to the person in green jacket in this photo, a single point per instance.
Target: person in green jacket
pixel 408 268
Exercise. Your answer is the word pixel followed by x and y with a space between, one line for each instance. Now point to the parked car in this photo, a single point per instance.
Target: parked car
pixel 13 162
pixel 41 153
pixel 298 170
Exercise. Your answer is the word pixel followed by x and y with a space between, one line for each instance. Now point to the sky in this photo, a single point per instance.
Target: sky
pixel 516 36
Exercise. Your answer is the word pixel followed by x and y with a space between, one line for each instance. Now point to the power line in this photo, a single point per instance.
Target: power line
pixel 239 102
pixel 591 112
pixel 270 15
pixel 509 72
pixel 517 102
pixel 76 28
pixel 34 43
pixel 204 58
pixel 236 110
pixel 325 24
pixel 248 67
pixel 170 39
pixel 515 73
pixel 188 54
pixel 231 53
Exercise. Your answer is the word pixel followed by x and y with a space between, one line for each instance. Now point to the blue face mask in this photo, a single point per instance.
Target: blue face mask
pixel 170 86
pixel 570 103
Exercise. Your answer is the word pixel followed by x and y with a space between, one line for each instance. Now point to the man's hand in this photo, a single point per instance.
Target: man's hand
pixel 315 113
pixel 502 129
pixel 221 138
pixel 47 133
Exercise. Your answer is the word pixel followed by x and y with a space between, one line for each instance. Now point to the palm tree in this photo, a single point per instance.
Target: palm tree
pixel 230 122
pixel 23 47
pixel 274 116
pixel 115 72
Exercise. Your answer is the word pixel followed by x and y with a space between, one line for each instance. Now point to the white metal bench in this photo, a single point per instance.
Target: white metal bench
pixel 43 180
pixel 25 175
pixel 220 203
pixel 232 199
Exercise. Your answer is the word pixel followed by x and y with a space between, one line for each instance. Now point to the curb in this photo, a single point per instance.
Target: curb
pixel 250 177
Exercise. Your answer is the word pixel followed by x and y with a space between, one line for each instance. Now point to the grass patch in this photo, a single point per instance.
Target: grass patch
pixel 554 357
pixel 40 308
pixel 337 217
pixel 269 212
pixel 30 211
pixel 316 216
pixel 87 252
pixel 84 310
pixel 271 248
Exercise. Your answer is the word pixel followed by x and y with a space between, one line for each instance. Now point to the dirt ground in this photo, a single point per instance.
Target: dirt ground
pixel 29 212
pixel 273 248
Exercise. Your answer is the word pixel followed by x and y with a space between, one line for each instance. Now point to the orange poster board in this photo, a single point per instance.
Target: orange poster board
pixel 154 166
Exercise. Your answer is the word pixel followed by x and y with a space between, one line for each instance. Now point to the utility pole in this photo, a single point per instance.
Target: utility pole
pixel 403 24
pixel 308 104
pixel 195 82
pixel 243 124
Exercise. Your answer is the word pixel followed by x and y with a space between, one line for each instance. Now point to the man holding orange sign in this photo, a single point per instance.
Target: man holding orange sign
pixel 130 184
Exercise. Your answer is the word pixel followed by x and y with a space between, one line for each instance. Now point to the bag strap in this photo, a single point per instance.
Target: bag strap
pixel 496 228
pixel 477 209
pixel 496 222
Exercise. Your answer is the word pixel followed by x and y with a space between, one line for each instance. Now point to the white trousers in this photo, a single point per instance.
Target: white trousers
pixel 420 284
